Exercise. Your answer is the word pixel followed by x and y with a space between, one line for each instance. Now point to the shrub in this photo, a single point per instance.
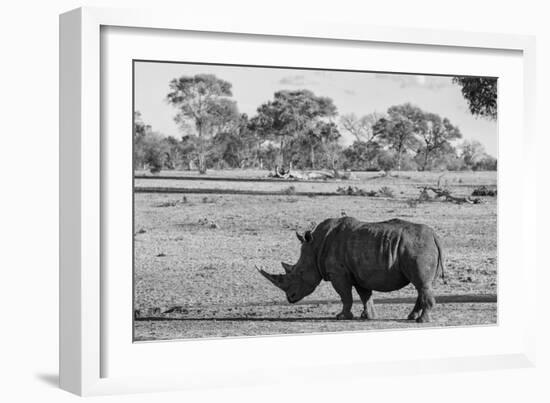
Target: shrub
pixel 289 190
pixel 386 160
pixel 487 163
pixel 385 191
pixel 484 191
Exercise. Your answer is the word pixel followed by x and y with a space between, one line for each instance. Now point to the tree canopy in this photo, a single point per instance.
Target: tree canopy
pixel 437 134
pixel 481 95
pixel 400 128
pixel 301 129
pixel 291 113
pixel 204 100
pixel 361 127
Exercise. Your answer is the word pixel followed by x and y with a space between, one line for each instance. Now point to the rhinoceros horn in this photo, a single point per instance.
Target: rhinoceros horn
pixel 300 237
pixel 288 267
pixel 278 280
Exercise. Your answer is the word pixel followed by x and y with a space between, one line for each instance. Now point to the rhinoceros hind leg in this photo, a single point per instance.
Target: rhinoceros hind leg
pixel 344 315
pixel 368 305
pixel 369 313
pixel 417 310
pixel 427 302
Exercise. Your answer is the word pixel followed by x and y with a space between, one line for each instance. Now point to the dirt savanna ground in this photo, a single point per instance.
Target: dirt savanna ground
pixel 195 253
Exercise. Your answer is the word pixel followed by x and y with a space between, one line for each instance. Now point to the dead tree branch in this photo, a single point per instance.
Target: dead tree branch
pixel 446 195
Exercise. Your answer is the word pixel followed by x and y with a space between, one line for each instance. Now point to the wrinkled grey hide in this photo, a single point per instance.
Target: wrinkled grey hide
pixel 382 256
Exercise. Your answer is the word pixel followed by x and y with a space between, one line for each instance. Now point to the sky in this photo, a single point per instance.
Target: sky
pixel 352 92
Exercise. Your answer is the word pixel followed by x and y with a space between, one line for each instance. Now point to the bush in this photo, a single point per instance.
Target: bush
pixel 408 163
pixel 487 163
pixel 361 156
pixel 385 191
pixel 289 190
pixel 155 167
pixel 386 160
pixel 484 191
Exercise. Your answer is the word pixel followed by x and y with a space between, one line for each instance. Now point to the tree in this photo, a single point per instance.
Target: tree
pixel 322 136
pixel 251 143
pixel 174 156
pixel 471 152
pixel 290 114
pixel 362 155
pixel 474 156
pixel 268 155
pixel 481 95
pixel 436 134
pixel 204 100
pixel 319 145
pixel 140 128
pixel 332 153
pixel 400 129
pixel 154 151
pixel 237 147
pixel 361 128
pixel 150 149
pixel 385 160
pixel 189 150
pixel 140 131
pixel 487 163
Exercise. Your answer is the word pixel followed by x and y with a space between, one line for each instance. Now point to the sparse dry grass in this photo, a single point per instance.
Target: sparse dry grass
pixel 181 261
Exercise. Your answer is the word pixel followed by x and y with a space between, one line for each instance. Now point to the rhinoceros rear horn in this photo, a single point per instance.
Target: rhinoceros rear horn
pixel 300 237
pixel 288 267
pixel 278 280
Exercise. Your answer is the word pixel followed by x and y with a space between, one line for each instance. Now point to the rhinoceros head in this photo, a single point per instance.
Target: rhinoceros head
pixel 299 279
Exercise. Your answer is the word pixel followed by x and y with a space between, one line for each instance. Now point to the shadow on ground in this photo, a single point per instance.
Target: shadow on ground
pixel 49 379
pixel 261 319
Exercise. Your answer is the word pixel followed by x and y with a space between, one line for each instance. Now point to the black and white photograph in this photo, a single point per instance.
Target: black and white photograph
pixel 274 200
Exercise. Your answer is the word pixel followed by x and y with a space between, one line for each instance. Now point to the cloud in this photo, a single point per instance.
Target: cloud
pixel 297 80
pixel 350 92
pixel 417 81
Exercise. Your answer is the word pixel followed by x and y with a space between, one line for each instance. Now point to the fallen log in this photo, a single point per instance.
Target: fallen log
pixel 282 173
pixel 447 196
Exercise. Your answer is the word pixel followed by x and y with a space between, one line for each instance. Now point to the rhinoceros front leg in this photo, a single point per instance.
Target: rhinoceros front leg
pixel 368 305
pixel 342 285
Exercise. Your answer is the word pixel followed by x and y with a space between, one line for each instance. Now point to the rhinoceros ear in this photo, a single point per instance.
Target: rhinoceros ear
pixel 308 237
pixel 300 238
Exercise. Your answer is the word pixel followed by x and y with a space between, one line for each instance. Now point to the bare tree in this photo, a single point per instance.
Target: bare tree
pixel 361 127
pixel 436 134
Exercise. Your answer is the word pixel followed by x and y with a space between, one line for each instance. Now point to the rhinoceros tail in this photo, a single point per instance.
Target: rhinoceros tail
pixel 440 260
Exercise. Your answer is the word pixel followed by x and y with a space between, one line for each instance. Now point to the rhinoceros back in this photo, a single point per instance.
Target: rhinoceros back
pixel 380 255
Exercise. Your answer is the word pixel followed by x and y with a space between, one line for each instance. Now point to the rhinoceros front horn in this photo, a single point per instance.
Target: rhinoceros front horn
pixel 277 279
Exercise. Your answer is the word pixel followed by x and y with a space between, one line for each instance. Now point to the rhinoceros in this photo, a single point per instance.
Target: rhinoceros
pixel 368 256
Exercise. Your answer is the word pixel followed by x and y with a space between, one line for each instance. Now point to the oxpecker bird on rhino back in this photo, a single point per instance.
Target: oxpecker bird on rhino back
pixel 382 256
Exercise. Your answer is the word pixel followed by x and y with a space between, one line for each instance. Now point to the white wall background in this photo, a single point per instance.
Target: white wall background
pixel 29 209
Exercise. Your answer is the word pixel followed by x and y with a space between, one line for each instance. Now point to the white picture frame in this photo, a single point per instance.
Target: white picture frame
pixel 83 306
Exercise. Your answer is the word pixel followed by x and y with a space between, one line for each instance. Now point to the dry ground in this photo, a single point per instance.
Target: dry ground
pixel 195 255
